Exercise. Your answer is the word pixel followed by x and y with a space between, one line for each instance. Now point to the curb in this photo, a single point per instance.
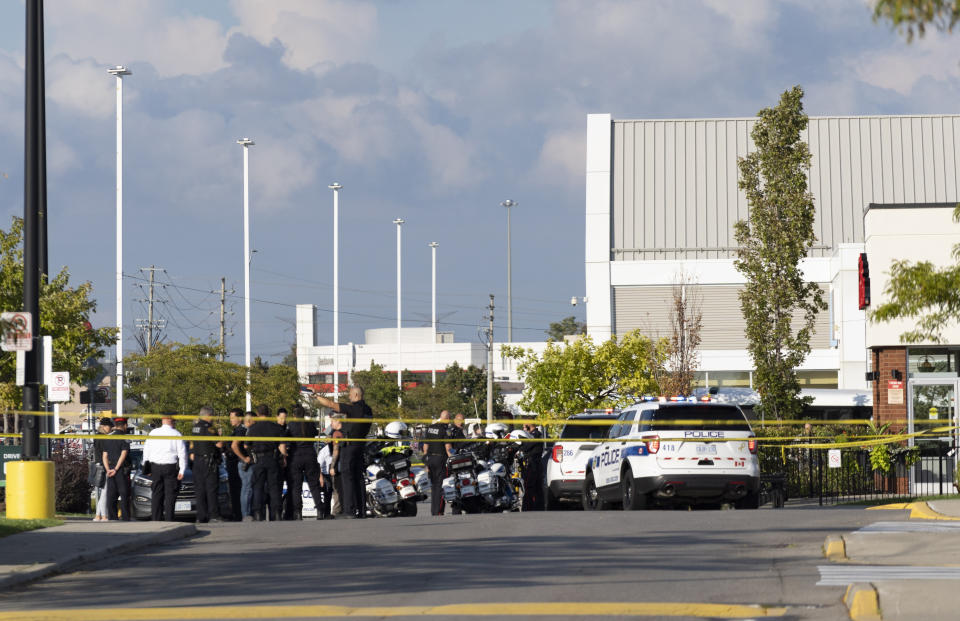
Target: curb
pixel 923 511
pixel 835 548
pixel 863 603
pixel 42 570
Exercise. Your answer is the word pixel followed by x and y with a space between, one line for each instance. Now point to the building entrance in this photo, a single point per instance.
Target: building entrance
pixel 933 408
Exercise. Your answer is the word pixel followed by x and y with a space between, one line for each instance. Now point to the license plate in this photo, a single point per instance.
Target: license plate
pixel 183 505
pixel 706 449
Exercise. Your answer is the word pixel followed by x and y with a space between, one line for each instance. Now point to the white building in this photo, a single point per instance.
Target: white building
pixel 416 355
pixel 662 199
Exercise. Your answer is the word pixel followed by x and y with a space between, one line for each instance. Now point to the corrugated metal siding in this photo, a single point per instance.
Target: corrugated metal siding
pixel 674 183
pixel 648 309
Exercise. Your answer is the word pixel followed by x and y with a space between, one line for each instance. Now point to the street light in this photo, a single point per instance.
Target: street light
pixel 336 187
pixel 119 71
pixel 399 223
pixel 433 366
pixel 508 204
pixel 246 143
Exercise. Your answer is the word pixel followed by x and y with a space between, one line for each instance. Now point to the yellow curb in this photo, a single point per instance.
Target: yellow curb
pixel 923 511
pixel 895 505
pixel 834 548
pixel 862 602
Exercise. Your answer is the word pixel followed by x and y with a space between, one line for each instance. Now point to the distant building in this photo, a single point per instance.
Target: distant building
pixel 416 355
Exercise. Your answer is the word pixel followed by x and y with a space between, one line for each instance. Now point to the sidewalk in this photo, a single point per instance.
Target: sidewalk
pixel 901 570
pixel 38 553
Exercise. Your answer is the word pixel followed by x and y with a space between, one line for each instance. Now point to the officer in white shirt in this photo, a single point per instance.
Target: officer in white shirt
pixel 168 462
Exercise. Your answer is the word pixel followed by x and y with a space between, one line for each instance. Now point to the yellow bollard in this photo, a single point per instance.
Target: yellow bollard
pixel 30 490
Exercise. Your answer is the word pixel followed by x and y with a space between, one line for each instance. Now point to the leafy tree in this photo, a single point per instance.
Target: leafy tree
pixel 469 385
pixel 686 318
pixel 380 389
pixel 912 17
pixel 567 325
pixel 64 314
pixel 777 235
pixel 571 377
pixel 291 358
pixel 181 378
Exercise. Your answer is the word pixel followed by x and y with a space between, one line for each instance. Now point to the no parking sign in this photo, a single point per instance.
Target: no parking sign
pixel 833 458
pixel 59 387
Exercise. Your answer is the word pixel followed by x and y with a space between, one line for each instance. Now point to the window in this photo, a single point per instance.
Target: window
pixel 932 362
pixel 698 417
pixel 581 431
pixel 817 379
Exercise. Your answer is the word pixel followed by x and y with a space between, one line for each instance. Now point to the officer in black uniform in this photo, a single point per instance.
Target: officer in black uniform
pixel 206 467
pixel 435 452
pixel 287 501
pixel 266 457
pixel 232 463
pixel 455 431
pixel 532 470
pixel 303 463
pixel 351 452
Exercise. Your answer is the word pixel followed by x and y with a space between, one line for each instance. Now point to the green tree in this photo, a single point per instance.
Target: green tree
pixel 64 314
pixel 380 389
pixel 912 17
pixel 566 326
pixel 181 378
pixel 571 377
pixel 469 385
pixel 291 358
pixel 777 235
pixel 686 319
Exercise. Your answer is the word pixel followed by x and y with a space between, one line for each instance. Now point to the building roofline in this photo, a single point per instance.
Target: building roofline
pixel 827 117
pixel 950 205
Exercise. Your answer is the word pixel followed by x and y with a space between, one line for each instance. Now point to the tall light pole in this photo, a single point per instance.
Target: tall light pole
pixel 336 187
pixel 433 314
pixel 246 143
pixel 119 71
pixel 399 223
pixel 508 204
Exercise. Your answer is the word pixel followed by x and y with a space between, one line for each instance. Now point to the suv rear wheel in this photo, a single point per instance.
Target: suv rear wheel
pixel 550 501
pixel 633 500
pixel 591 497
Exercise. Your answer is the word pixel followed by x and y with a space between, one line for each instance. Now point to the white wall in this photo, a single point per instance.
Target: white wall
pixel 597 227
pixel 914 233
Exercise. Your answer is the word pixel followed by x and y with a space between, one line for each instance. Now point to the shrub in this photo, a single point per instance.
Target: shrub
pixel 70 481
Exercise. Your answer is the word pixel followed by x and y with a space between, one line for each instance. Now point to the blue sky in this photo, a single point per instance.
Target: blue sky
pixel 430 111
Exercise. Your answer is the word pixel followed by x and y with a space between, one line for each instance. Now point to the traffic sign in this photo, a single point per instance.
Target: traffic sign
pixel 833 458
pixel 18 335
pixel 59 387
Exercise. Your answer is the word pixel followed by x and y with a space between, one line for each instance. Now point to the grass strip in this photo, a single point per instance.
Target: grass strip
pixel 12 527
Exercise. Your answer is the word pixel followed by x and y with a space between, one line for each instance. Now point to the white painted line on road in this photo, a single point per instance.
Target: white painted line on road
pixel 842 575
pixel 911 527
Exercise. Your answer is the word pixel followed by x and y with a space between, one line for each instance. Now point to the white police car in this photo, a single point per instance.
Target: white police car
pixel 669 452
pixel 567 460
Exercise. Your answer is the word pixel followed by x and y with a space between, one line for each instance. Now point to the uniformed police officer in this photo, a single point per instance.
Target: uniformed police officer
pixel 435 452
pixel 455 431
pixel 266 455
pixel 532 470
pixel 351 453
pixel 303 463
pixel 206 467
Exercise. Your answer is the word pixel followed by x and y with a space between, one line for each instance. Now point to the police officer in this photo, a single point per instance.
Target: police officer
pixel 456 431
pixel 287 502
pixel 532 471
pixel 232 463
pixel 435 452
pixel 303 463
pixel 266 456
pixel 351 452
pixel 206 467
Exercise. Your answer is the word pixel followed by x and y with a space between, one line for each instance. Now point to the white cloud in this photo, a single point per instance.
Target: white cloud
pixel 901 66
pixel 82 86
pixel 123 32
pixel 562 158
pixel 311 31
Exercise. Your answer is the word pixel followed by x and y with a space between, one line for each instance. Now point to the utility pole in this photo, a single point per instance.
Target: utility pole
pixel 151 326
pixel 223 322
pixel 490 364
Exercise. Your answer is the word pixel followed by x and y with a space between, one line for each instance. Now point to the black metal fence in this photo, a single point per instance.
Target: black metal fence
pixel 808 473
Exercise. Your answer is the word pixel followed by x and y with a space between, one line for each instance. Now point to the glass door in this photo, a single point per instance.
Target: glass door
pixel 933 407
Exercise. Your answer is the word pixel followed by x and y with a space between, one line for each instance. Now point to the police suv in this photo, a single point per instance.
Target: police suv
pixel 670 452
pixel 567 460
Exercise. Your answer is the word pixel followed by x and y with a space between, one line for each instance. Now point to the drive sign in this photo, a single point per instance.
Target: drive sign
pixel 59 387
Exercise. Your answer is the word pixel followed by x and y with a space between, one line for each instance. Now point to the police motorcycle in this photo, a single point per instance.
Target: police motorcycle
pixel 382 497
pixel 517 465
pixel 492 476
pixel 460 488
pixel 395 461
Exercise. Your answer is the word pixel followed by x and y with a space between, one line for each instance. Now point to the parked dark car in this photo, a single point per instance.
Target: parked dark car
pixel 186 503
